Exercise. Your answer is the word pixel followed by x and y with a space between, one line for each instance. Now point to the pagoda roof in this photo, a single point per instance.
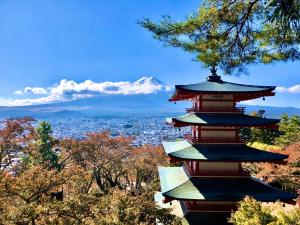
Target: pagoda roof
pixel 184 150
pixel 218 86
pixel 177 184
pixel 223 87
pixel 221 119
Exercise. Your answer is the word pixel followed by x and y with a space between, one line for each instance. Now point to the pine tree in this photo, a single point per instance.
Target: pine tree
pixel 233 33
pixel 45 146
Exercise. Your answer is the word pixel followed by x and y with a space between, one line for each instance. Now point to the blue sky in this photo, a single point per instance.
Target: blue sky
pixel 44 42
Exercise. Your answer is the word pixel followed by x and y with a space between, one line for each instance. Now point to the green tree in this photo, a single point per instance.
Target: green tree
pixel 251 212
pixel 262 135
pixel 286 13
pixel 233 33
pixel 45 146
pixel 289 128
pixel 292 217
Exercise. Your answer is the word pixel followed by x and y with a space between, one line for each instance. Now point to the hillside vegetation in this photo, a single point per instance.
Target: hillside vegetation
pixel 98 180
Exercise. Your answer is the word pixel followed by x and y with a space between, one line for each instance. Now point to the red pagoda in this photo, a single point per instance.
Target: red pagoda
pixel 211 179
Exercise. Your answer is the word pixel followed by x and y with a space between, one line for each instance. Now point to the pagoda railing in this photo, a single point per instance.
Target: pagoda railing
pixel 203 140
pixel 210 207
pixel 217 109
pixel 215 172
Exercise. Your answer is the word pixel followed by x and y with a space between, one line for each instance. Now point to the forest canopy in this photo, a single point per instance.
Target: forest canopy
pixel 98 180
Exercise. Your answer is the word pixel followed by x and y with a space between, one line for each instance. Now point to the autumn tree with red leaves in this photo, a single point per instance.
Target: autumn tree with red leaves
pixel 102 179
pixel 15 135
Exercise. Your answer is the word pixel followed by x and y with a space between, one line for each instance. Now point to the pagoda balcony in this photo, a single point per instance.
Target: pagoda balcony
pixel 217 109
pixel 213 140
pixel 210 206
pixel 212 173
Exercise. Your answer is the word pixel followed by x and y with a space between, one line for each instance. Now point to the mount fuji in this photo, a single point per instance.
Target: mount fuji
pixel 149 98
pixel 152 80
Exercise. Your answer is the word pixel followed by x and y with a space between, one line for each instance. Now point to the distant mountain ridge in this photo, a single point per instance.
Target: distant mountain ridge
pixel 154 103
pixel 122 106
pixel 272 111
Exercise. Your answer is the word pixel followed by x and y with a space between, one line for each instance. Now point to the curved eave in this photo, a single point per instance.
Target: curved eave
pixel 240 88
pixel 183 93
pixel 271 195
pixel 214 119
pixel 224 189
pixel 184 151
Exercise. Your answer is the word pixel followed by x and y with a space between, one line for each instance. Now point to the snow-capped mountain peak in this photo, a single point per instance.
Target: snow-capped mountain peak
pixel 149 80
pixel 152 82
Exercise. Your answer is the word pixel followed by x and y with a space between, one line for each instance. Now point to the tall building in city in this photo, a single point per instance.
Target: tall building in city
pixel 210 180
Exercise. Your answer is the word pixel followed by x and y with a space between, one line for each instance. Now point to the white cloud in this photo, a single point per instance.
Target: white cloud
pixel 68 90
pixel 33 90
pixel 18 92
pixel 293 89
pixel 145 85
pixel 31 101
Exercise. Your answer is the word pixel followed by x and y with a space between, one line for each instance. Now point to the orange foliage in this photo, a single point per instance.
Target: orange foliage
pixel 294 153
pixel 283 176
pixel 142 165
pixel 102 179
pixel 14 136
pixel 114 162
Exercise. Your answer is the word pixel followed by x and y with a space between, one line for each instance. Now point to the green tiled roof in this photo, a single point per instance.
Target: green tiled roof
pixel 171 177
pixel 226 119
pixel 222 86
pixel 217 188
pixel 219 152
